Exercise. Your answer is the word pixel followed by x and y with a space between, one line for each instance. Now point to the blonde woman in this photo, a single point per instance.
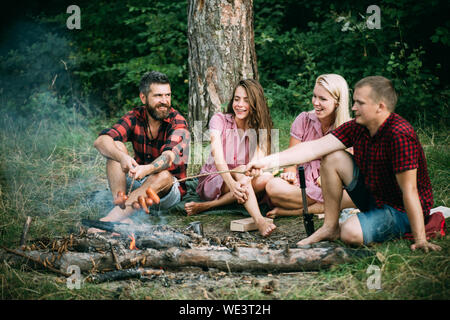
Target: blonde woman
pixel 331 109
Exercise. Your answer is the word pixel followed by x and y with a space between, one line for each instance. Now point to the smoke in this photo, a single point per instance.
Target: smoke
pixel 103 200
pixel 49 166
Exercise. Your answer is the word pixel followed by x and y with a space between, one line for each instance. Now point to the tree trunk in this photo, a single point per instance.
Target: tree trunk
pixel 221 52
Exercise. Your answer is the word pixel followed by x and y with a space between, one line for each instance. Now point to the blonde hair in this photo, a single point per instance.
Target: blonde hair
pixel 337 87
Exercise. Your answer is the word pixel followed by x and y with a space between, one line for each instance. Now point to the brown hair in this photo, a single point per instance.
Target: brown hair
pixel 259 115
pixel 382 90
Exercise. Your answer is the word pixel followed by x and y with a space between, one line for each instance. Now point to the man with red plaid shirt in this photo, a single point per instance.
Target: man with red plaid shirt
pixel 160 139
pixel 387 177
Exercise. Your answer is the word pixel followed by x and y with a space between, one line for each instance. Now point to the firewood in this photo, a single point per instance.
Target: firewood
pixel 114 275
pixel 123 275
pixel 116 260
pixel 44 264
pixel 222 258
pixel 26 227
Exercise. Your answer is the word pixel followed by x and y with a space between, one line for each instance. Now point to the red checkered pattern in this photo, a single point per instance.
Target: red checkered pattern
pixel 173 135
pixel 394 148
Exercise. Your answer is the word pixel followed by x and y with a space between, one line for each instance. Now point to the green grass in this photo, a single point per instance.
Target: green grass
pixel 49 169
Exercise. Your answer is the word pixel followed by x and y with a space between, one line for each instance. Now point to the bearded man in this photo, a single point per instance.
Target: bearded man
pixel 160 139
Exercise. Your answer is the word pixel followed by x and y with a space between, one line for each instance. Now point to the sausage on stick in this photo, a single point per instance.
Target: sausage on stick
pixel 141 201
pixel 152 195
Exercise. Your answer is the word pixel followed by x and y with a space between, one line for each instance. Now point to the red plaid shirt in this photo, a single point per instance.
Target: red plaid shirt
pixel 394 148
pixel 173 135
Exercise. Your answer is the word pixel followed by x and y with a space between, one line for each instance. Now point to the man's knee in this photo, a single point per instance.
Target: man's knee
pixel 164 176
pixel 351 232
pixel 341 162
pixel 113 163
pixel 335 158
pixel 164 179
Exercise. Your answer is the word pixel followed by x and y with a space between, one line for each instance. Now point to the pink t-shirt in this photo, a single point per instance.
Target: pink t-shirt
pixel 238 148
pixel 307 127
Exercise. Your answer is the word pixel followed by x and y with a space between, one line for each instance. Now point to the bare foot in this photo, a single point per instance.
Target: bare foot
pixel 272 214
pixel 281 212
pixel 265 228
pixel 323 233
pixel 194 208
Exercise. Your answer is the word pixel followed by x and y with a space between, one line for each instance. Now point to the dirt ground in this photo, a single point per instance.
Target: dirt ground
pixel 198 283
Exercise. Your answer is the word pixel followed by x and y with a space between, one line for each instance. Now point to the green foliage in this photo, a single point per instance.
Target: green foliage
pixel 296 41
pixel 40 66
pixel 119 43
pixel 334 38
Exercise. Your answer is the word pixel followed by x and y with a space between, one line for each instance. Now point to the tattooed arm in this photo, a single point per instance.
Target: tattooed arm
pixel 161 163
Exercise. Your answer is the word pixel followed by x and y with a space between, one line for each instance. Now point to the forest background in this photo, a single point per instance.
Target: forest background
pixel 59 87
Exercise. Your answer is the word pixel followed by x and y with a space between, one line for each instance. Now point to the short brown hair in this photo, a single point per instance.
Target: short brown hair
pixel 152 77
pixel 382 90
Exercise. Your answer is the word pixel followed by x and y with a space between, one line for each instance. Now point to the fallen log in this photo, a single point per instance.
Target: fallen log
pixel 123 275
pixel 222 258
pixel 36 261
pixel 147 236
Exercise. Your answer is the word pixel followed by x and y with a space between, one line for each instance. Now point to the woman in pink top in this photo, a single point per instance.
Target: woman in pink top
pixel 331 109
pixel 241 134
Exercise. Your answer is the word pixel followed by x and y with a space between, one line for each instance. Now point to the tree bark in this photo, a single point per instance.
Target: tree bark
pixel 222 258
pixel 221 52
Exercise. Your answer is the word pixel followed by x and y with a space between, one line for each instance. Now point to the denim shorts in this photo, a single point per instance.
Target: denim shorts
pixel 378 224
pixel 172 198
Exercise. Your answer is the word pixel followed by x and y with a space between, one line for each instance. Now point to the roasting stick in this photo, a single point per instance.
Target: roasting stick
pixel 274 171
pixel 131 186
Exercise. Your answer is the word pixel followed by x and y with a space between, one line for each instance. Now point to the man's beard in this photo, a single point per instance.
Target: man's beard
pixel 158 115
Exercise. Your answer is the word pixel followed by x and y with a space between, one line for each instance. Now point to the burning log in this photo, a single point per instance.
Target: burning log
pixel 146 236
pixel 116 260
pixel 163 247
pixel 123 275
pixel 222 258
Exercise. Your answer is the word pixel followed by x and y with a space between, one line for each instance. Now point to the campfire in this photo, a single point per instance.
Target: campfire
pixel 143 250
pixel 132 242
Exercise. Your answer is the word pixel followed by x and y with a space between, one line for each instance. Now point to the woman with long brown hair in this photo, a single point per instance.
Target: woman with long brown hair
pixel 241 134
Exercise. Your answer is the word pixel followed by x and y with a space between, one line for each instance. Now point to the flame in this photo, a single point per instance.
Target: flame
pixel 133 242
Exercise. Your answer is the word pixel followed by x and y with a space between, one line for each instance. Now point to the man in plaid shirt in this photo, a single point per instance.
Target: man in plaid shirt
pixel 387 177
pixel 160 139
